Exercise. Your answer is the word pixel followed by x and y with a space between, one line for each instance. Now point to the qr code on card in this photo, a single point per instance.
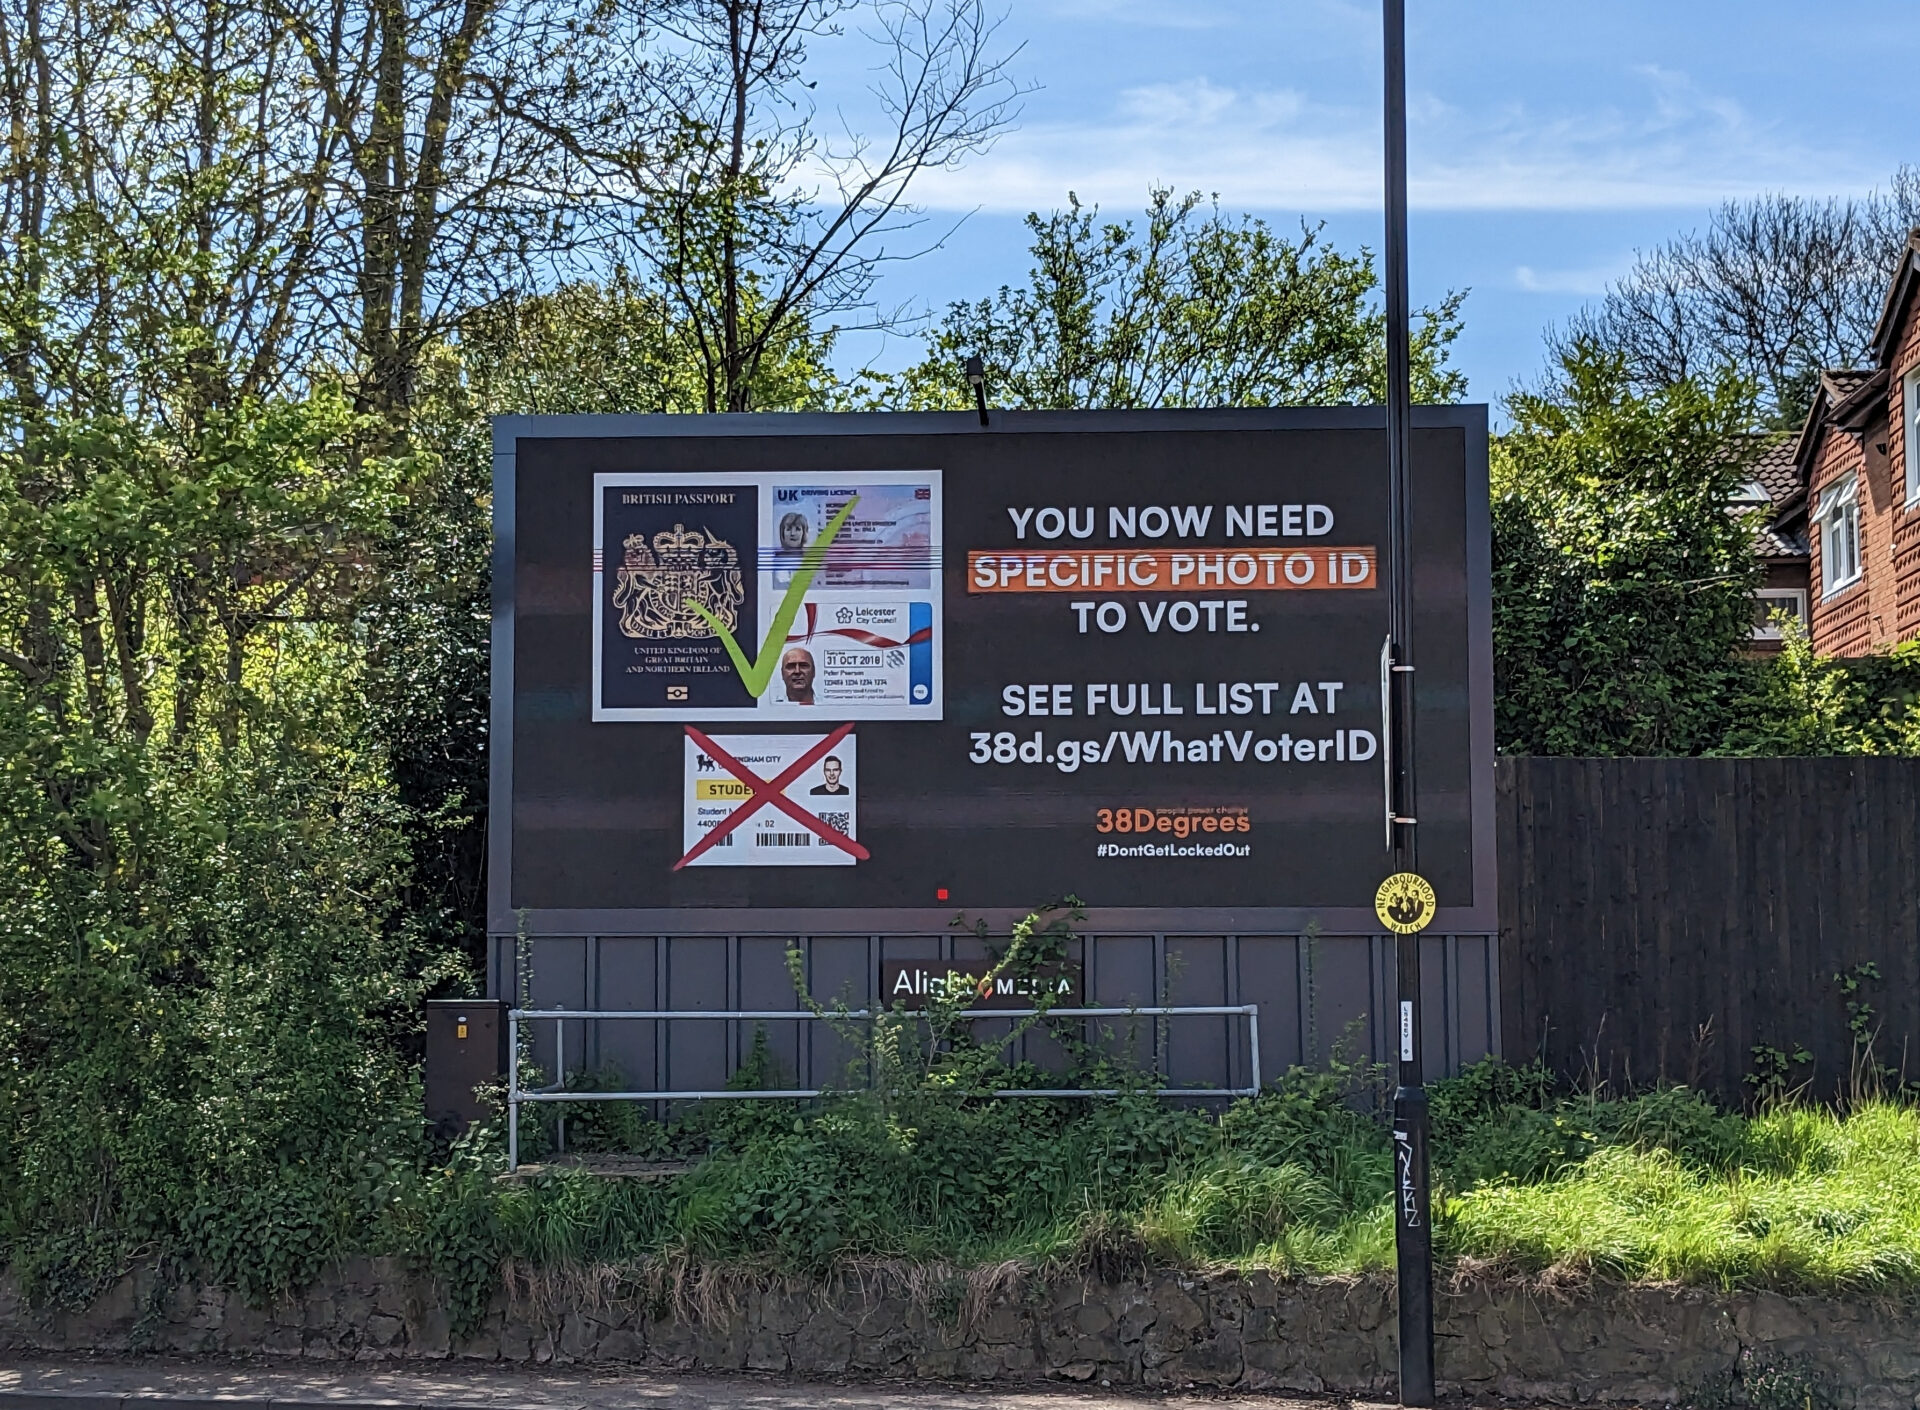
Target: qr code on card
pixel 837 821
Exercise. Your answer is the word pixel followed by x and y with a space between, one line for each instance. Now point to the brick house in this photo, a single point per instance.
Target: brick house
pixel 1857 501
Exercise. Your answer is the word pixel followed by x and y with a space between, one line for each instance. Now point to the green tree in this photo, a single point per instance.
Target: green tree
pixel 592 346
pixel 204 980
pixel 1622 583
pixel 263 278
pixel 620 345
pixel 1196 309
pixel 206 983
pixel 758 220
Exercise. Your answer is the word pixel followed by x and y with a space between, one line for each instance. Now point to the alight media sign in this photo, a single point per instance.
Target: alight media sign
pixel 832 667
pixel 912 984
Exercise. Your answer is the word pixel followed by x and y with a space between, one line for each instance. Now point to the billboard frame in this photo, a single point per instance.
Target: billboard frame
pixel 1479 917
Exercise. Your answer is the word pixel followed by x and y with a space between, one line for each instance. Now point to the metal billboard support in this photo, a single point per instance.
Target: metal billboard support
pixel 518 1096
pixel 1413 1234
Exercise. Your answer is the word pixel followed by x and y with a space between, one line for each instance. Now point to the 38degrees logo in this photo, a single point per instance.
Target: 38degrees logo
pixel 757 674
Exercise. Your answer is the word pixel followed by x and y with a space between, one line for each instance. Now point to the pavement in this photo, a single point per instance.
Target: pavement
pixel 160 1383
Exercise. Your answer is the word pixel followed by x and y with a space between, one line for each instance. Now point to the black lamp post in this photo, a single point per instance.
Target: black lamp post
pixel 1413 1233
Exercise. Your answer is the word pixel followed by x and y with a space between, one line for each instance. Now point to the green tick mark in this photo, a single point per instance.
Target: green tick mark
pixel 757 674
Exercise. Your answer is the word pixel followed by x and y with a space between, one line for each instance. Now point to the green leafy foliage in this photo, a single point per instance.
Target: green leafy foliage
pixel 1622 584
pixel 939 1175
pixel 1623 581
pixel 618 345
pixel 1195 309
pixel 206 1040
pixel 1803 704
pixel 208 984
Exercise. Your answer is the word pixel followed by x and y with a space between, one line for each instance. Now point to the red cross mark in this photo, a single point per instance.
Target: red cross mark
pixel 766 792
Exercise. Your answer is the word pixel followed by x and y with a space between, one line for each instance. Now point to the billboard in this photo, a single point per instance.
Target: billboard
pixel 857 673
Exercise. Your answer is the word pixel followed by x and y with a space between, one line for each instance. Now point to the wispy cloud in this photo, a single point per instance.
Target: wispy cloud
pixel 1594 280
pixel 1660 142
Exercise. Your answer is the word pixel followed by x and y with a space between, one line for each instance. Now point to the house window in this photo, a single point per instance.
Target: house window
pixel 1839 520
pixel 1769 601
pixel 1910 403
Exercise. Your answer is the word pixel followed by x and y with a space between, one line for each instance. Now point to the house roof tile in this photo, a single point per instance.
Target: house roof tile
pixel 1777 474
pixel 1775 470
pixel 1773 541
pixel 1906 277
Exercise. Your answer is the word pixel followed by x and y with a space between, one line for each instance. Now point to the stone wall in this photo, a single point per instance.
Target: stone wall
pixel 1252 1332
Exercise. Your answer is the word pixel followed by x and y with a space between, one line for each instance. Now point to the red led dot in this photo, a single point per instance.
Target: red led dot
pixel 941 894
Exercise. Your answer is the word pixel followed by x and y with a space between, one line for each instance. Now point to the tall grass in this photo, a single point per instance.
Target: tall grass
pixel 1664 1186
pixel 1810 1201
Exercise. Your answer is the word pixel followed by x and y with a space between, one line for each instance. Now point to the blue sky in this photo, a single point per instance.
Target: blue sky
pixel 1547 140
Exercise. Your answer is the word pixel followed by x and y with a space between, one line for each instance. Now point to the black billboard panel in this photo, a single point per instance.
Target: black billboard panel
pixel 852 673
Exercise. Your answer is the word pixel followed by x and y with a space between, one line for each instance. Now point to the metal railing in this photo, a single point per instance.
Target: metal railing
pixel 516 1097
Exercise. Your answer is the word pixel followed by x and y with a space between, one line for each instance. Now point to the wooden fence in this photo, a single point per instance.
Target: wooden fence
pixel 1661 919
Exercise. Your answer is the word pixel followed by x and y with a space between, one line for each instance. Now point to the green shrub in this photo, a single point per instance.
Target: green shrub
pixel 1679 1120
pixel 204 1043
pixel 1515 1145
pixel 1482 1090
pixel 270 1124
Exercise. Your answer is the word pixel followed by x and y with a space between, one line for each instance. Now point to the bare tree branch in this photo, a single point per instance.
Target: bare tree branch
pixel 1779 288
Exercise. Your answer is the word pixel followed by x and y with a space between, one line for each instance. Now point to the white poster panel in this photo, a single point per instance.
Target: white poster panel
pixel 832 607
pixel 726 793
